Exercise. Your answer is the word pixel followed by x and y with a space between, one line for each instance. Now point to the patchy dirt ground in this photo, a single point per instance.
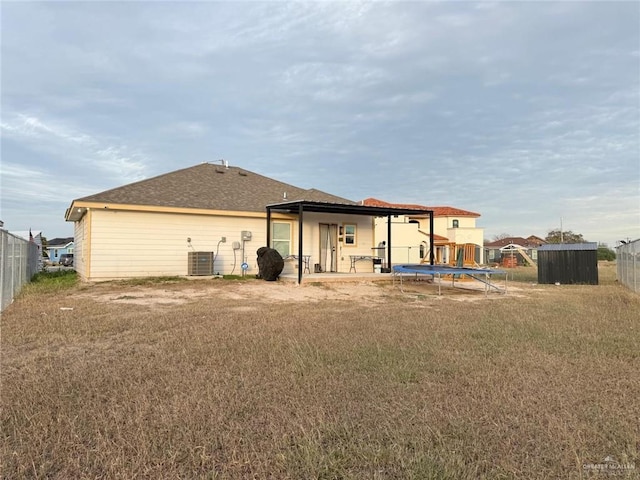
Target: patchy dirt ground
pixel 365 292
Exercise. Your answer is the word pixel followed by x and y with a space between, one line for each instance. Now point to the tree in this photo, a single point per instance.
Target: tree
pixel 605 253
pixel 558 236
pixel 45 244
pixel 501 236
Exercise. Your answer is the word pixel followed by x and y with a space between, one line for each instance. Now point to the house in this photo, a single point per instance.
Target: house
pixel 57 247
pixel 454 231
pixel 513 251
pixel 211 219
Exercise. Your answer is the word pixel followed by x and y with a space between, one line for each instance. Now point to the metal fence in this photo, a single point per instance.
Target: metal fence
pixel 628 265
pixel 18 263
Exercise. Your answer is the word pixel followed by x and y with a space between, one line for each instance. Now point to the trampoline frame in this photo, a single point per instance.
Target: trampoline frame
pixel 482 275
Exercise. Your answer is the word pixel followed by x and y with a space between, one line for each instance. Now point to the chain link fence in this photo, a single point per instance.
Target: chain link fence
pixel 18 263
pixel 628 265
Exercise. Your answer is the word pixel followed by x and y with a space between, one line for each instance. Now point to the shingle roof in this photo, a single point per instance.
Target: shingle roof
pixel 209 186
pixel 441 211
pixel 57 242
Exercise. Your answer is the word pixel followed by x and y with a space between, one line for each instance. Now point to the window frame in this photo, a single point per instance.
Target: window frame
pixel 353 235
pixel 275 239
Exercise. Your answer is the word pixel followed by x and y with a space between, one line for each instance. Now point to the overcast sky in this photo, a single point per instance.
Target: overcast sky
pixel 525 112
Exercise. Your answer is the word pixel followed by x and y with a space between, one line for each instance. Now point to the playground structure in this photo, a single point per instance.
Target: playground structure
pixel 510 260
pixel 460 255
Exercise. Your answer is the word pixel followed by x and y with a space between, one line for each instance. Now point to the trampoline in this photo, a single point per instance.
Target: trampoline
pixel 482 275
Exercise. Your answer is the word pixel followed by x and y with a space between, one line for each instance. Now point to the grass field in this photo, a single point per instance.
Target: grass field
pixel 222 379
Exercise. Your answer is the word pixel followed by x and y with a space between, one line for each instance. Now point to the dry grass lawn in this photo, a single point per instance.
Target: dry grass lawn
pixel 224 379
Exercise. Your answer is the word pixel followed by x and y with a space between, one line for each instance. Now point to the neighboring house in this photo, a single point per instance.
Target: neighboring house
pixel 34 236
pixel 57 247
pixel 454 231
pixel 162 225
pixel 513 251
pixel 535 241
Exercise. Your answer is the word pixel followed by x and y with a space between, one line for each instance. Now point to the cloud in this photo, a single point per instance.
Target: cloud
pixel 511 109
pixel 77 150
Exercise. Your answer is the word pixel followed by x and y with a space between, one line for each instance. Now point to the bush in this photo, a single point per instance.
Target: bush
pixel 43 282
pixel 605 253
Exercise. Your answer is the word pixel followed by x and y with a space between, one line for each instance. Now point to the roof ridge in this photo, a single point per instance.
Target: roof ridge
pixel 209 186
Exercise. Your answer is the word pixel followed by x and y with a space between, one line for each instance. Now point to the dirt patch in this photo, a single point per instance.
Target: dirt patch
pixel 363 292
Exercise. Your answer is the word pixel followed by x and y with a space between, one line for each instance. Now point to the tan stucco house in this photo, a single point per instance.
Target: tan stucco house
pixel 455 234
pixel 220 215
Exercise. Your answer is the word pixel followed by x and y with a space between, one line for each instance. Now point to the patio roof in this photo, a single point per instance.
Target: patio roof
pixel 329 207
pixel 300 206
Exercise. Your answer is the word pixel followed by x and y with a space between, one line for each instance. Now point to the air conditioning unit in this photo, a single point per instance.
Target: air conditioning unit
pixel 200 263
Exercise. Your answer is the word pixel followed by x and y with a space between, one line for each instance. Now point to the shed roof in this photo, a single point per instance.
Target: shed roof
pixel 568 246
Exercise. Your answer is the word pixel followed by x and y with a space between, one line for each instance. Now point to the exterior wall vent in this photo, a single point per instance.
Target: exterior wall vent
pixel 200 263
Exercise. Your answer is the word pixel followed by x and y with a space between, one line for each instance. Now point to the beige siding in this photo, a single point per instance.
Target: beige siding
pixel 363 246
pixel 139 244
pixel 311 240
pixel 125 244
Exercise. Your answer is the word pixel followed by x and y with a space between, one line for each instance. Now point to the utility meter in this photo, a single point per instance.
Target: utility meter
pixel 246 235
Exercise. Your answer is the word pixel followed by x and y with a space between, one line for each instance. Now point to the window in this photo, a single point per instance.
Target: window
pixel 281 238
pixel 455 224
pixel 349 234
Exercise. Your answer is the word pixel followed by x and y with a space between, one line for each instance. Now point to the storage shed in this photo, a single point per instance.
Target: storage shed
pixel 568 263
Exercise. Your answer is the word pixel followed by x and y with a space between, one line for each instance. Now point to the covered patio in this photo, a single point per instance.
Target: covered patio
pixel 299 207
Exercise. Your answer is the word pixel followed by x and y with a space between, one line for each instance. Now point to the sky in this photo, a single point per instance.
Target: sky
pixel 527 113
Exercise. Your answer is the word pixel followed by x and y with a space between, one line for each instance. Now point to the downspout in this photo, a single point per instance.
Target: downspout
pixel 431 246
pixel 268 227
pixel 300 223
pixel 389 241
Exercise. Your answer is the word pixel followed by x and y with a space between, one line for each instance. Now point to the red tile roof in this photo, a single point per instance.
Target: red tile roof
pixel 440 238
pixel 441 211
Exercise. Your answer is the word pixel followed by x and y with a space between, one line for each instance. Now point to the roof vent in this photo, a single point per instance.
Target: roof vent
pixel 242 173
pixel 224 163
pixel 284 195
pixel 219 170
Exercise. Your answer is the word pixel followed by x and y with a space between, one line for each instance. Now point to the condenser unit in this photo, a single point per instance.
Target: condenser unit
pixel 200 263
